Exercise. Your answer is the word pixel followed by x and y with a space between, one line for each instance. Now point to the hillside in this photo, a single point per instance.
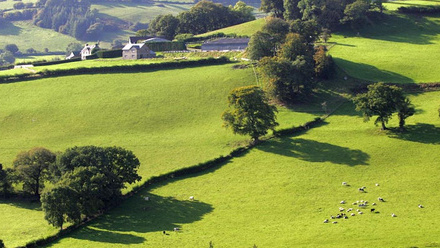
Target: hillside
pixel 247 28
pixel 167 123
pixel 278 194
pixel 399 49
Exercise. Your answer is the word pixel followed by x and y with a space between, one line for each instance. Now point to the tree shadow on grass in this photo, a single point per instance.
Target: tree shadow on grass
pixel 421 132
pixel 370 72
pixel 26 203
pixel 138 215
pixel 8 28
pixel 314 151
pixel 110 237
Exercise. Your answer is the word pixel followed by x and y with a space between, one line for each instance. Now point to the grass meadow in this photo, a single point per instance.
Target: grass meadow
pixel 170 119
pixel 400 50
pixel 279 193
pixel 247 28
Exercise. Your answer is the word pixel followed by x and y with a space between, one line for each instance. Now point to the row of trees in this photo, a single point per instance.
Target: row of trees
pixel 85 180
pixel 327 13
pixel 289 63
pixel 202 17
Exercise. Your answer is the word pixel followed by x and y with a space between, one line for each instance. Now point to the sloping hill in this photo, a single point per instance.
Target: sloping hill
pixel 247 28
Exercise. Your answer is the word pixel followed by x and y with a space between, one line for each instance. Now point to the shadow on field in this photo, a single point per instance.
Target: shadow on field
pixel 9 29
pixel 111 237
pixel 314 151
pixel 421 132
pixel 22 203
pixel 156 215
pixel 371 72
pixel 410 29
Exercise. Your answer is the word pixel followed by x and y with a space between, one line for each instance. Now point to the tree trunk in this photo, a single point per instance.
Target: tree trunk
pixel 383 125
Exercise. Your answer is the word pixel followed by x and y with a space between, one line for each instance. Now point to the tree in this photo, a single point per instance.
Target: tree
pixel 249 112
pixel 355 13
pixel 32 168
pixel 404 110
pixel 164 25
pixel 18 5
pixel 325 34
pixel 73 47
pixel 142 33
pixel 243 12
pixel 260 45
pixel 275 7
pixel 294 46
pixel 7 58
pixel 31 50
pixel 6 180
pixel 60 205
pixel 380 100
pixel 292 12
pixel 277 28
pixel 324 65
pixel 11 48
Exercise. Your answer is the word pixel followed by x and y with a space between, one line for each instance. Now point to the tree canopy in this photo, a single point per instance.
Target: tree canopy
pixel 249 112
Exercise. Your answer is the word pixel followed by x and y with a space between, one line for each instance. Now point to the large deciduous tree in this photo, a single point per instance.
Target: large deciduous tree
pixel 60 206
pixel 249 112
pixel 382 101
pixel 164 25
pixel 404 110
pixel 275 7
pixel 33 168
pixel 260 45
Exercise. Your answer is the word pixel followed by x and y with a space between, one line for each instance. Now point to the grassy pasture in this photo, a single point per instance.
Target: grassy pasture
pixel 25 35
pixel 394 5
pixel 247 28
pixel 278 194
pixel 170 119
pixel 30 58
pixel 134 12
pixel 9 4
pixel 400 50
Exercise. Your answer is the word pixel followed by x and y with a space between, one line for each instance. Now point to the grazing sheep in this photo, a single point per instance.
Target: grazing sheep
pixel 381 199
pixel 334 222
pixel 353 214
pixel 393 215
pixel 362 205
pixel 358 210
pixel 147 198
pixel 349 210
pixel 420 206
pixel 372 210
pixel 341 209
pixel 332 217
pixel 326 221
pixel 354 203
pixel 342 202
pixel 176 229
pixel 361 190
pixel 345 217
pixel 374 204
pixel 191 198
pixel 338 216
pixel 377 184
pixel 360 213
pixel 344 183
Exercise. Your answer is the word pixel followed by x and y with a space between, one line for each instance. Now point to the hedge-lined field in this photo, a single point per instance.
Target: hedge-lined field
pixel 247 28
pixel 400 50
pixel 170 119
pixel 279 193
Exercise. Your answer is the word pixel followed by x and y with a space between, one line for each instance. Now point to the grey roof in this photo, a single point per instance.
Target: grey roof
pixel 131 45
pixel 135 39
pixel 228 41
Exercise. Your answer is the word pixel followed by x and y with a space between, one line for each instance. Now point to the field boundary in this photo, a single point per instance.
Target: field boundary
pixel 179 173
pixel 115 69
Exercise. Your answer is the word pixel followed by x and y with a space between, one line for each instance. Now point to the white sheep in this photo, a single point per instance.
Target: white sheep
pixel 146 198
pixel 353 214
pixel 381 199
pixel 344 183
pixel 176 229
pixel 335 222
pixel 393 215
pixel 374 204
pixel 360 212
pixel 342 202
pixel 377 184
pixel 326 221
pixel 191 198
pixel 420 206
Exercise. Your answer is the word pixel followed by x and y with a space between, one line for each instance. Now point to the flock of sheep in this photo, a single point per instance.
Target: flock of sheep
pixel 360 205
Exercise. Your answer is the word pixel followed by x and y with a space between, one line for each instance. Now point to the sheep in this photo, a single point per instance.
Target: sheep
pixel 176 229
pixel 349 210
pixel 332 217
pixel 377 184
pixel 362 205
pixel 360 212
pixel 374 204
pixel 341 209
pixel 342 202
pixel 420 206
pixel 393 215
pixel 335 222
pixel 344 183
pixel 353 214
pixel 372 210
pixel 361 190
pixel 191 198
pixel 381 199
pixel 326 221
pixel 147 198
pixel 354 203
pixel 345 217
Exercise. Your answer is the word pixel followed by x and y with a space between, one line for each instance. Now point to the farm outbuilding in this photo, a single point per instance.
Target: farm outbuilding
pixel 137 51
pixel 226 44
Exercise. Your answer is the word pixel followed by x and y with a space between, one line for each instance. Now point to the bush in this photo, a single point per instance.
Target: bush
pixel 420 10
pixel 117 53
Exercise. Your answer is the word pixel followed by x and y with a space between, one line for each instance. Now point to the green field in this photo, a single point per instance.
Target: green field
pixel 25 35
pixel 247 28
pixel 170 119
pixel 9 4
pixel 400 50
pixel 134 12
pixel 278 194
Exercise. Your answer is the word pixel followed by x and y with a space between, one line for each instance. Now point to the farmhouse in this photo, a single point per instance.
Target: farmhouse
pixel 137 51
pixel 226 44
pixel 87 50
pixel 73 55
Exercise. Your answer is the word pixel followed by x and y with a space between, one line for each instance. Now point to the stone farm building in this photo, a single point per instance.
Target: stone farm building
pixel 226 44
pixel 137 51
